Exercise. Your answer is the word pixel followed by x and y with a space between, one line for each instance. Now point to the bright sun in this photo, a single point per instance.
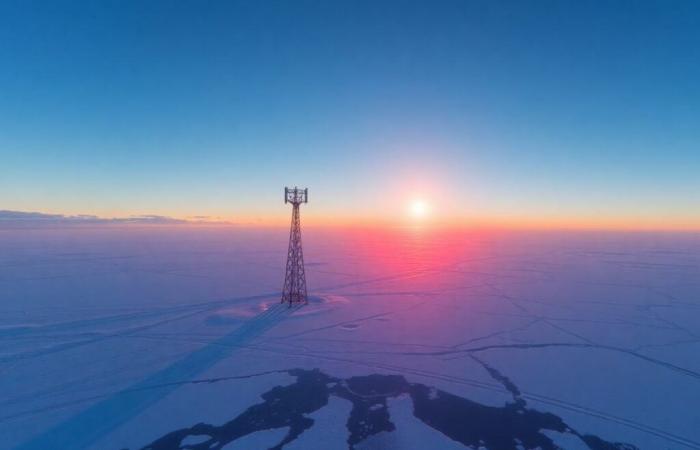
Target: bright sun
pixel 419 208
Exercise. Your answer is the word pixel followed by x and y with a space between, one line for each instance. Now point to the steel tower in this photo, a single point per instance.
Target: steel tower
pixel 295 278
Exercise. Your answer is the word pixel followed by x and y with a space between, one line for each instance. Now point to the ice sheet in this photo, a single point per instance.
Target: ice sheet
pixel 113 337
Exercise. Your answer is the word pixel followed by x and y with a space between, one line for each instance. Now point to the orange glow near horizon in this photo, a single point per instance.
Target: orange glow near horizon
pixel 422 211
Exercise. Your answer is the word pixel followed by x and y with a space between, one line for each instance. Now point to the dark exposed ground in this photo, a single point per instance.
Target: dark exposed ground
pixel 461 419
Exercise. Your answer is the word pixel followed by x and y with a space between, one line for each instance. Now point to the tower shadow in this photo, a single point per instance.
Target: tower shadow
pixel 90 425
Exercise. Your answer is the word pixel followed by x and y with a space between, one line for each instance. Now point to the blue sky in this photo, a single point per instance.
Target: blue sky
pixel 523 111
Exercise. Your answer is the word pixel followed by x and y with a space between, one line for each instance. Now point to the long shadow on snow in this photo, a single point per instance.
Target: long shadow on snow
pixel 87 427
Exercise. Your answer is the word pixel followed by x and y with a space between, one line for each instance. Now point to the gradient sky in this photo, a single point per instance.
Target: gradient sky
pixel 575 113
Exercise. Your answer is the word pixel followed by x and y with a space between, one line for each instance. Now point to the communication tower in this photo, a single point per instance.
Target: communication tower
pixel 294 291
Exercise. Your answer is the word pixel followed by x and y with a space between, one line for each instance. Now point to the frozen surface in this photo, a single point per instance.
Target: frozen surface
pixel 172 337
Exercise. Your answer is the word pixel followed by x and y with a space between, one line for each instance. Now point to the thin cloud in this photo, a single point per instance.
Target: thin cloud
pixel 23 219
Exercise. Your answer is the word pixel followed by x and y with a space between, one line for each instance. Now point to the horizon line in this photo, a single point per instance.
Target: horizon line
pixel 13 219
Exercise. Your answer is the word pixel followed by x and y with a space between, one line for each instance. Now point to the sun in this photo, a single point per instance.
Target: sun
pixel 419 208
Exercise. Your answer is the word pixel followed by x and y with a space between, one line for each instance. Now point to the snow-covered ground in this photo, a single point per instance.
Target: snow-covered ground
pixel 125 337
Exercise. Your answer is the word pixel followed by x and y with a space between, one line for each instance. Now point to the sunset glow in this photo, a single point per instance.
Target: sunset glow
pixel 419 208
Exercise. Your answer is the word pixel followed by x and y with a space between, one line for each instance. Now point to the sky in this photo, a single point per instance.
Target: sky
pixel 524 113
